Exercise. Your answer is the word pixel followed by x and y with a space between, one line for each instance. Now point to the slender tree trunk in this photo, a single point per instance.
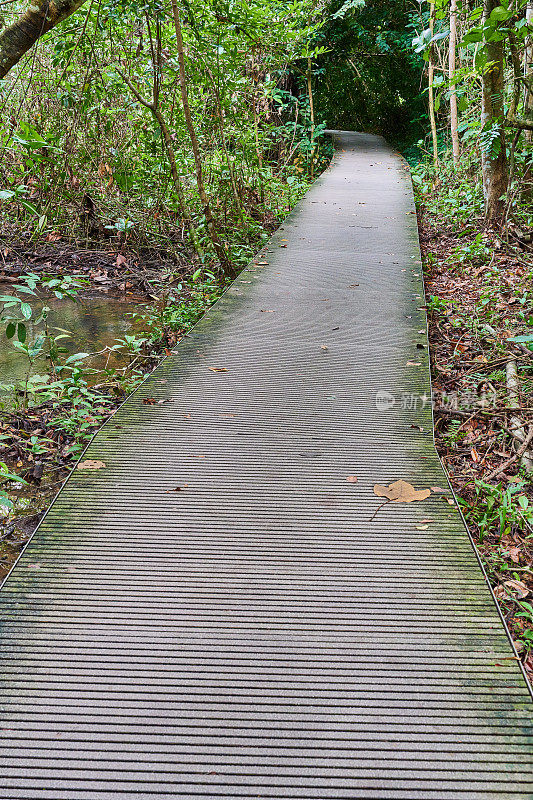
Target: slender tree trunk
pixel 177 181
pixel 454 118
pixel 154 108
pixel 528 72
pixel 40 17
pixel 311 110
pixel 431 75
pixel 221 254
pixel 494 164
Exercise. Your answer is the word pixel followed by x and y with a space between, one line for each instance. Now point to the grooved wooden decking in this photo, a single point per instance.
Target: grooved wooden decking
pixel 254 635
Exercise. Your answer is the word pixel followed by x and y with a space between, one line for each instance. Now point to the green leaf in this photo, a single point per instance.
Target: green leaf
pixel 77 357
pixel 521 339
pixel 21 332
pixel 11 330
pixel 499 14
pixel 26 310
pixel 37 346
pixel 29 207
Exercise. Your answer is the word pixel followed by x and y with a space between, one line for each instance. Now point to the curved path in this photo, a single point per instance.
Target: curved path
pixel 213 614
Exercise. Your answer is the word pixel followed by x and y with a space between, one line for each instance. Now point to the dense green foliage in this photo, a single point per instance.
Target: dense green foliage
pixel 83 157
pixel 369 77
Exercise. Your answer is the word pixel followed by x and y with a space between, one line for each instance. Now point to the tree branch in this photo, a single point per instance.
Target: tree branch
pixel 40 17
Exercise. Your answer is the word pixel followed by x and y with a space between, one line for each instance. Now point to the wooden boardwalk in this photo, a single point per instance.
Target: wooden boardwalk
pixel 212 614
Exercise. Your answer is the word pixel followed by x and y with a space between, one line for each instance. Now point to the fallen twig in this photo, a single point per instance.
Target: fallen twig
pixel 519 454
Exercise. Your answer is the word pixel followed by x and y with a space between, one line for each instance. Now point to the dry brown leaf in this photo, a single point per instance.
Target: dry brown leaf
pixel 89 464
pixel 438 490
pixel 517 586
pixel 351 479
pixel 401 492
pixel 425 521
pixel 218 369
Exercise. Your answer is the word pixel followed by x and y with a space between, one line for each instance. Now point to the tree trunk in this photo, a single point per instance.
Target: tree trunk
pixel 431 74
pixel 221 254
pixel 39 17
pixel 311 112
pixel 454 119
pixel 528 72
pixel 494 164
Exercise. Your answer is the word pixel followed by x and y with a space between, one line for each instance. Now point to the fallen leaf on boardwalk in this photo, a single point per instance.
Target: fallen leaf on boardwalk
pixel 323 347
pixel 438 490
pixel 187 416
pixel 421 527
pixel 267 311
pixel 417 427
pixel 177 489
pixel 218 369
pixel 425 521
pixel 517 586
pixel 149 401
pixel 89 464
pixel 401 492
pixel 351 479
pixel 413 363
pixel 226 416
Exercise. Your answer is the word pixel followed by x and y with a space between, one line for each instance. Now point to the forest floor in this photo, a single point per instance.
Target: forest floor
pixel 105 266
pixel 478 292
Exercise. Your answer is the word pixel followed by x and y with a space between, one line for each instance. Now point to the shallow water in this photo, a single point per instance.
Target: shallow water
pixel 92 323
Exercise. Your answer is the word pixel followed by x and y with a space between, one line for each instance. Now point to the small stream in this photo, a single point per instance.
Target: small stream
pixel 92 322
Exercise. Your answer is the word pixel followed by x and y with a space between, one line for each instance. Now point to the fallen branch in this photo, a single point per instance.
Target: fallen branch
pixel 517 426
pixel 519 454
